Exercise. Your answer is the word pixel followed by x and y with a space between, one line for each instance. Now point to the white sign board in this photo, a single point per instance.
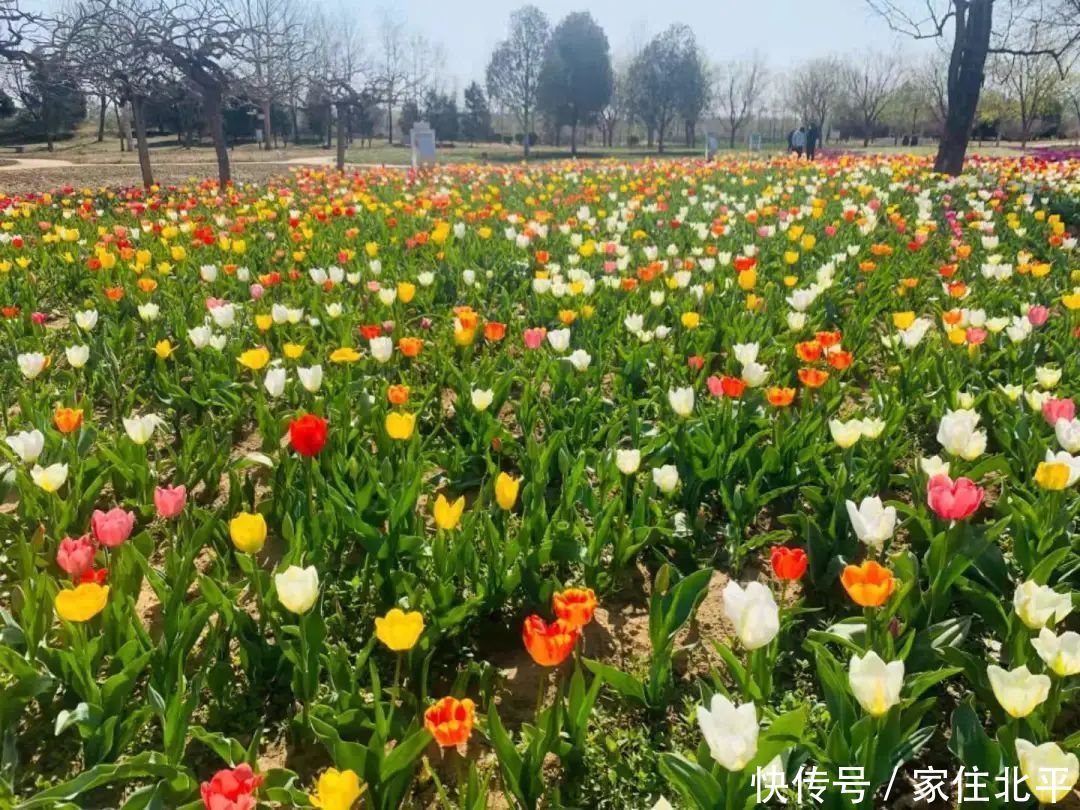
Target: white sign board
pixel 422 140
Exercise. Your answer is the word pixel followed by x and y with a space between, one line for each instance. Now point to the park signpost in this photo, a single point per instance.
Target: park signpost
pixel 422 140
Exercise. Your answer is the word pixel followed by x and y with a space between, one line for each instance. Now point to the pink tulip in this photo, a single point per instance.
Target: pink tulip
pixel 975 336
pixel 953 500
pixel 170 500
pixel 113 527
pixel 830 230
pixel 534 337
pixel 214 303
pixel 1054 409
pixel 609 267
pixel 387 327
pixel 425 323
pixel 75 556
pixel 39 318
pixel 716 388
pixel 256 291
pixel 373 286
pixel 1038 315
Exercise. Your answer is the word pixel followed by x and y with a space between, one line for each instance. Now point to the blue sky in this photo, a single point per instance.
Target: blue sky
pixel 786 32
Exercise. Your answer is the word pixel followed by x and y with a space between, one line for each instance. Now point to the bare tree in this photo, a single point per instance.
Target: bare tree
pixel 618 107
pixel 1029 81
pixel 815 90
pixel 979 29
pixel 202 40
pixel 391 75
pixel 740 86
pixel 272 40
pixel 868 84
pixel 514 69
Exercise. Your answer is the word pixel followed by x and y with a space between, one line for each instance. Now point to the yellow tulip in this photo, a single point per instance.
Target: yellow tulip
pixel 163 349
pixel 400 425
pixel 1071 301
pixel 264 322
pixel 448 515
pixel 293 350
pixel 903 320
pixel 399 630
pixel 791 256
pixel 506 490
pixel 254 359
pixel 691 320
pixel 248 532
pixel 405 291
pixel 747 279
pixel 337 790
pixel 82 603
pixel 346 354
pixel 1052 475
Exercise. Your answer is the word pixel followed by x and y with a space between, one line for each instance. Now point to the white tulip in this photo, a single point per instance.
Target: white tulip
pixel 845 434
pixel 208 273
pixel 381 347
pixel 200 336
pixel 730 731
pixel 274 382
pixel 634 323
pixel 666 477
pixel 1037 605
pixel 1018 691
pixel 31 364
pixel 1051 773
pixel 425 279
pixel 1060 653
pixel 872 522
pixel 957 433
pixel 754 374
pixel 628 461
pixel 27 445
pixel 681 401
pixel 49 478
pixel 333 311
pixel 559 340
pixel 1068 434
pixel 871 428
pixel 297 588
pixel 753 612
pixel 387 295
pixel 310 378
pixel 875 684
pixel 149 311
pixel 746 353
pixel 140 428
pixel 580 360
pixel 87 319
pixel 481 398
pixel 1047 377
pixel 77 355
pixel 934 466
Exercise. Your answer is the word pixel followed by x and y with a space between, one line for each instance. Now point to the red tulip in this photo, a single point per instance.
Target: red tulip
pixel 788 563
pixel 307 434
pixel 231 789
pixel 953 500
pixel 549 644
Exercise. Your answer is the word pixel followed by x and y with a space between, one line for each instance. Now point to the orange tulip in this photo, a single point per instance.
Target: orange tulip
pixel 68 420
pixel 840 359
pixel 808 350
pixel 397 394
pixel 869 584
pixel 410 346
pixel 575 606
pixel 450 721
pixel 780 397
pixel 813 377
pixel 494 331
pixel 549 644
pixel 828 339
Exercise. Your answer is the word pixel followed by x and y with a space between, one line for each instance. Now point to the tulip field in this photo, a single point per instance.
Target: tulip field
pixel 675 484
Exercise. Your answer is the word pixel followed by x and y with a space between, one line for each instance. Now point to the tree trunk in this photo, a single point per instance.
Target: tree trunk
pixel 342 118
pixel 101 118
pixel 216 123
pixel 295 124
pixel 525 137
pixel 390 116
pixel 138 117
pixel 573 139
pixel 731 139
pixel 966 65
pixel 267 126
